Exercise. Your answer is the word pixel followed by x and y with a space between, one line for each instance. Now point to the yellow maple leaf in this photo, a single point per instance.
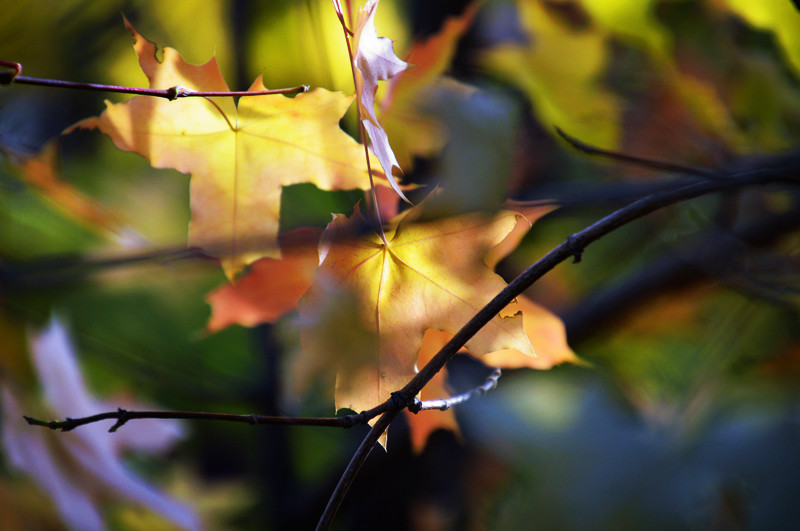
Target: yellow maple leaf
pixel 239 157
pixel 560 71
pixel 429 275
pixel 776 16
pixel 271 287
pixel 637 23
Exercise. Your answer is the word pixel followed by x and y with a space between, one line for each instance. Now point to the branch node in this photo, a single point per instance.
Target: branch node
pixel 178 91
pixel 360 418
pixel 415 406
pixel 252 420
pixel 121 420
pixel 400 400
pixel 575 249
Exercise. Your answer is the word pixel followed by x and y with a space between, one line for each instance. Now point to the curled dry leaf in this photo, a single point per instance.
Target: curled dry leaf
pixel 403 111
pixel 375 61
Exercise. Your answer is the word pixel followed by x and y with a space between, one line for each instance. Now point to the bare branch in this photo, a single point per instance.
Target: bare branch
pixel 122 416
pixel 355 464
pixel 631 159
pixel 784 169
pixel 172 93
pixel 788 173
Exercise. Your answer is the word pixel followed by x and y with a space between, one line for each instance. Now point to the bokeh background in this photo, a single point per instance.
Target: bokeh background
pixel 686 413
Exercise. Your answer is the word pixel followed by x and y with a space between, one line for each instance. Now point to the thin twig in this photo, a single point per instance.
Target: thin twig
pixel 632 159
pixel 122 416
pixel 573 246
pixel 446 403
pixel 337 6
pixel 49 271
pixel 171 93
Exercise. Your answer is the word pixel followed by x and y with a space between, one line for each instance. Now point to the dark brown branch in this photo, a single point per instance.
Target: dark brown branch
pixel 122 416
pixel 172 93
pixel 446 403
pixel 684 268
pixel 355 464
pixel 49 271
pixel 784 169
pixel 575 244
pixel 638 161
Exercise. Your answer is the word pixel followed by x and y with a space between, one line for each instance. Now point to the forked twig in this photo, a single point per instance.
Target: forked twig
pixel 122 416
pixel 574 245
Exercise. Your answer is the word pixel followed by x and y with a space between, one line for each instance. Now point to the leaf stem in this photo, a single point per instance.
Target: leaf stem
pixel 224 116
pixel 361 131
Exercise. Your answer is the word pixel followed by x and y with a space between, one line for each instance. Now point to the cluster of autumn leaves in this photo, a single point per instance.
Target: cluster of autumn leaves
pixel 370 306
pixel 373 304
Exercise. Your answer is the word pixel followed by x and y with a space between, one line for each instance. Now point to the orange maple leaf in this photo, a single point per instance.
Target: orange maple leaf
pixel 42 171
pixel 271 287
pixel 547 335
pixel 430 275
pixel 239 157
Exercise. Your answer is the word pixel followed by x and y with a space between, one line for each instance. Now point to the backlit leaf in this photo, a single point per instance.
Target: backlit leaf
pixel 428 275
pixel 239 156
pixel 271 287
